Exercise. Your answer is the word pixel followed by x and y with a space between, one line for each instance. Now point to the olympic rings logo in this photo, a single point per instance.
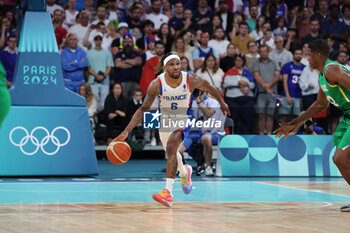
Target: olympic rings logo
pixel 39 144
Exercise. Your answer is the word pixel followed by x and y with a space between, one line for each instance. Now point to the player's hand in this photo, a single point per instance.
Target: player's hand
pixel 284 130
pixel 122 136
pixel 224 108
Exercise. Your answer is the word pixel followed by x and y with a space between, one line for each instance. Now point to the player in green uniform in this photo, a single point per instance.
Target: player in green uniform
pixel 5 100
pixel 334 80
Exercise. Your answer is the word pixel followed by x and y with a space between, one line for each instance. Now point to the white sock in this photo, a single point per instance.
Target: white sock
pixel 180 165
pixel 169 184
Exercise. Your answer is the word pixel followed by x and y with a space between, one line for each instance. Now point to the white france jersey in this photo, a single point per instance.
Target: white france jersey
pixel 175 103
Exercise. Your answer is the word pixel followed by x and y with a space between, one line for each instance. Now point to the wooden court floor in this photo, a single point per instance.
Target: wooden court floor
pixel 226 216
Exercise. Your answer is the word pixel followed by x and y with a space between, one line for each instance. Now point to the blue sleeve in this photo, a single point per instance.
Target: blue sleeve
pixel 65 60
pixel 118 55
pixel 195 54
pixel 248 75
pixel 285 69
pixel 81 64
pixel 215 53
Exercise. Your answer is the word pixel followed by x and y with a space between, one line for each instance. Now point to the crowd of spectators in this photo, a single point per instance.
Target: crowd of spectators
pixel 253 51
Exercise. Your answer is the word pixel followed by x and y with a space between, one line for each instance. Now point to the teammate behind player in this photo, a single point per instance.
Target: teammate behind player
pixel 174 89
pixel 334 80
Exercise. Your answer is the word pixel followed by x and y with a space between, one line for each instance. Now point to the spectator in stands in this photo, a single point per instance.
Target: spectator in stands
pixel 346 15
pixel 268 38
pixel 203 15
pixel 311 6
pixel 6 31
pixel 91 100
pixel 243 38
pixel 101 16
pixel 74 61
pixel 51 6
pixel 81 28
pixel 127 63
pixel 60 32
pixel 116 43
pixel 148 28
pixel 89 39
pixel 182 49
pixel 322 13
pixel 239 85
pixel 164 35
pixel 257 33
pixel 155 16
pixel 112 10
pixel 211 72
pixel 100 63
pixel 252 56
pixel 202 51
pixel 266 74
pixel 8 57
pixel 226 16
pixel 291 104
pixel 314 32
pixel 332 52
pixel 71 13
pixel 167 8
pixel 282 9
pixel 343 58
pixel 151 46
pixel 280 55
pixel 333 27
pixel 308 83
pixel 149 69
pixel 303 24
pixel 219 42
pixel 90 9
pixel 134 104
pixel 188 20
pixel 115 109
pixel 185 64
pixel 227 61
pixel 253 12
pixel 214 23
pixel 143 6
pixel 133 20
pixel 281 30
pixel 271 15
pixel 306 54
pixel 177 22
pixel 291 42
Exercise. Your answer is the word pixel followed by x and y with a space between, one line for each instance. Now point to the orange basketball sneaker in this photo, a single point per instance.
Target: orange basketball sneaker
pixel 164 197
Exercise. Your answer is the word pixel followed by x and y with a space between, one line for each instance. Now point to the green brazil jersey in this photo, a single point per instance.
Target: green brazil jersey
pixel 337 95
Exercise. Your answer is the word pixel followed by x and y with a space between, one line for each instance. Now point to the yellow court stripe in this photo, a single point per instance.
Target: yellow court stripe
pixel 341 91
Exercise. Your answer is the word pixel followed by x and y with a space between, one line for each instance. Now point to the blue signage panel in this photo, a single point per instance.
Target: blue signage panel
pixel 47 141
pixel 265 155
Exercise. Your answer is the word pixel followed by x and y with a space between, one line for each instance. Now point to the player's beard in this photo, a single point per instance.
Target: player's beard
pixel 175 76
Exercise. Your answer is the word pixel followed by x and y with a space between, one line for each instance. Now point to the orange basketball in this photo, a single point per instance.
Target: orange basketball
pixel 118 152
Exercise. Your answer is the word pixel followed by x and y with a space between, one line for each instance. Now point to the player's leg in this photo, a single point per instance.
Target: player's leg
pixel 171 144
pixel 341 158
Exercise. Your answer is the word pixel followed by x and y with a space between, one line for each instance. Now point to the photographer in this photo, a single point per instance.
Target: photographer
pixel 204 107
pixel 308 128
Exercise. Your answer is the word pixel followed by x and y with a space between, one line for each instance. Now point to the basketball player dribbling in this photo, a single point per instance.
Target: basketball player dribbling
pixel 5 100
pixel 174 88
pixel 334 80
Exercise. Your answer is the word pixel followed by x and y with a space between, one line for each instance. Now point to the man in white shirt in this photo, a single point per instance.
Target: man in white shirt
pixel 51 6
pixel 71 13
pixel 156 17
pixel 80 29
pixel 101 16
pixel 219 43
pixel 89 41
